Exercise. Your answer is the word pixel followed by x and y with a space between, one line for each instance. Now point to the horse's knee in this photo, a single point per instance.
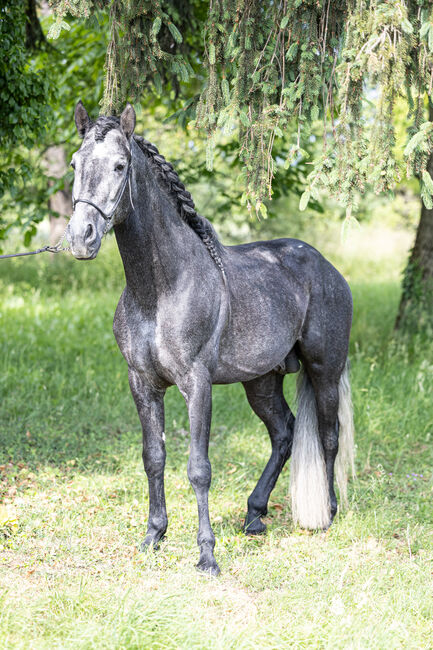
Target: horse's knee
pixel 154 462
pixel 199 472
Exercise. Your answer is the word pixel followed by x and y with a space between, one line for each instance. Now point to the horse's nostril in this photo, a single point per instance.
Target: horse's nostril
pixel 89 232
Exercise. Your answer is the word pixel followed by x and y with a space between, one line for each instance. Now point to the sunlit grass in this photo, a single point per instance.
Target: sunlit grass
pixel 74 493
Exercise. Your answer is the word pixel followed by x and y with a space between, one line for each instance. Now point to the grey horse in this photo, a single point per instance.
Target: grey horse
pixel 196 313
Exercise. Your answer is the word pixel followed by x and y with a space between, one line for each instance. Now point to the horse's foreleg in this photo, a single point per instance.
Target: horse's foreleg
pixel 265 396
pixel 150 407
pixel 197 391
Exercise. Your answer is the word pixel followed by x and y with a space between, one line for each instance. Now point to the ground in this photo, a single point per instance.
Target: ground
pixel 74 496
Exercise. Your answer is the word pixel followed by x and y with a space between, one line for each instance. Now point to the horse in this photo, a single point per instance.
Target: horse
pixel 196 313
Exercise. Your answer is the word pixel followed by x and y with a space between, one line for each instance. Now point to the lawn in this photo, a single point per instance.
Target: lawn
pixel 74 495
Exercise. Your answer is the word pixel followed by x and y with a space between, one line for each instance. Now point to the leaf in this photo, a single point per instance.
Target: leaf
pixel 414 142
pixel 156 26
pixel 304 200
pixel 284 22
pixel 427 200
pixel 175 32
pixel 424 29
pixel 315 113
pixel 291 52
pixel 430 38
pixel 244 118
pixel 158 83
pixel 225 90
pixel 428 181
pixel 261 207
pixel 212 54
pixel 407 26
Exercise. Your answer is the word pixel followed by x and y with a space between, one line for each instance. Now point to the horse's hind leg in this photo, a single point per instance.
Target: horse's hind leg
pixel 265 395
pixel 327 401
pixel 321 394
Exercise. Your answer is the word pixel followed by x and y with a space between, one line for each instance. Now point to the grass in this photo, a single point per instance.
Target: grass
pixel 73 491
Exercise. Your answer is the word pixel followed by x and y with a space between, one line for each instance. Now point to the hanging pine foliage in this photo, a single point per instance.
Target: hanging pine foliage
pixel 273 69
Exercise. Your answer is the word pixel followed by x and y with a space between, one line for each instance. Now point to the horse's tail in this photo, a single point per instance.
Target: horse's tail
pixel 308 481
pixel 345 460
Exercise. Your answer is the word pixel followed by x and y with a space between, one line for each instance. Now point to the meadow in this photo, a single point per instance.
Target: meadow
pixel 74 494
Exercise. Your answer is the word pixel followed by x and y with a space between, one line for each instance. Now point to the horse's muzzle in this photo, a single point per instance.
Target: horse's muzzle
pixel 84 236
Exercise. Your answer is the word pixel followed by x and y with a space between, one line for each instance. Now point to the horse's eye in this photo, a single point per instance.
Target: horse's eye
pixel 119 167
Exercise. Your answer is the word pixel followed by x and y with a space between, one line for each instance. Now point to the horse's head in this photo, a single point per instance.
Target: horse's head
pixel 101 194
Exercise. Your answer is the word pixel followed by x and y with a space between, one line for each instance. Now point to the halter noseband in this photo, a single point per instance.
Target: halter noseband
pixel 108 217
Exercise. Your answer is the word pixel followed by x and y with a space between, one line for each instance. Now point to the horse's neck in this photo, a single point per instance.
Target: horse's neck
pixel 154 243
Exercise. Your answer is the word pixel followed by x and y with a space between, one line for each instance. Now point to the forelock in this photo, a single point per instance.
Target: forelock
pixel 103 125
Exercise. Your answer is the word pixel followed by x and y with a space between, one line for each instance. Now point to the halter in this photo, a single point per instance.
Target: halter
pixel 108 216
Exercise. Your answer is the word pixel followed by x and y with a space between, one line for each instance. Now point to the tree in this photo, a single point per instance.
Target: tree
pixel 416 305
pixel 36 106
pixel 270 72
pixel 24 98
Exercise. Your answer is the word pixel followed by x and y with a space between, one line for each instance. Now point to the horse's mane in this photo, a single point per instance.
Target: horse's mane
pixel 185 204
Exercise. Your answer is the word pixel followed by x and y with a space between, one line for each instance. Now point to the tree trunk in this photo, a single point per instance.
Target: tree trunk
pixel 60 203
pixel 416 305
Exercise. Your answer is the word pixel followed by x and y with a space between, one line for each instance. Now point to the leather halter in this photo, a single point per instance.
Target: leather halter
pixel 107 216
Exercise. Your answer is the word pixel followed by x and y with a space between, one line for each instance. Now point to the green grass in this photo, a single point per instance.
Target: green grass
pixel 74 492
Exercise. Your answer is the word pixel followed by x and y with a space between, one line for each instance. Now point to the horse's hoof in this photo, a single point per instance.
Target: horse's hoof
pixel 209 568
pixel 256 527
pixel 150 543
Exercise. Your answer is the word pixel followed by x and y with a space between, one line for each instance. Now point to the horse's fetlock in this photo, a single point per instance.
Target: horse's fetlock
pixel 257 507
pixel 158 523
pixel 206 541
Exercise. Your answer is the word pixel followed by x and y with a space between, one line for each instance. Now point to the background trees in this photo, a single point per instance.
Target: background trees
pixel 270 84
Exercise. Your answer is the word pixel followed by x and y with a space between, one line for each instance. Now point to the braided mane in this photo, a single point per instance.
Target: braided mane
pixel 185 203
pixel 183 198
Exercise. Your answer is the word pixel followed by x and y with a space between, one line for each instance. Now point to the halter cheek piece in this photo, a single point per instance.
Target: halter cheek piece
pixel 108 217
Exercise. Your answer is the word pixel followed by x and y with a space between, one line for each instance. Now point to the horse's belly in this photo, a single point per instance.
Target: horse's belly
pixel 263 328
pixel 242 358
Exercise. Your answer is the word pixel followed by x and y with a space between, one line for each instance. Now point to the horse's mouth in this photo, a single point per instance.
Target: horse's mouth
pixel 83 255
pixel 83 258
pixel 83 252
pixel 86 259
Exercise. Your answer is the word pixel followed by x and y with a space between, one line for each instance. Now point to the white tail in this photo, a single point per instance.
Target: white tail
pixel 308 482
pixel 345 460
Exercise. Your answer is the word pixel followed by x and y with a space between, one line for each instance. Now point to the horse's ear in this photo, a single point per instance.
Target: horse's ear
pixel 127 120
pixel 82 119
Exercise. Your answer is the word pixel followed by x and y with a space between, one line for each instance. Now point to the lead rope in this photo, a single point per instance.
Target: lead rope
pixel 58 248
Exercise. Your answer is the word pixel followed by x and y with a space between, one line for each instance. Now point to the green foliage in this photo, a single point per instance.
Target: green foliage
pixel 275 68
pixel 76 62
pixel 146 46
pixel 24 109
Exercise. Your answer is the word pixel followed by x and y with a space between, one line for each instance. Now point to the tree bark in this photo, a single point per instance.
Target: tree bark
pixel 60 202
pixel 416 305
